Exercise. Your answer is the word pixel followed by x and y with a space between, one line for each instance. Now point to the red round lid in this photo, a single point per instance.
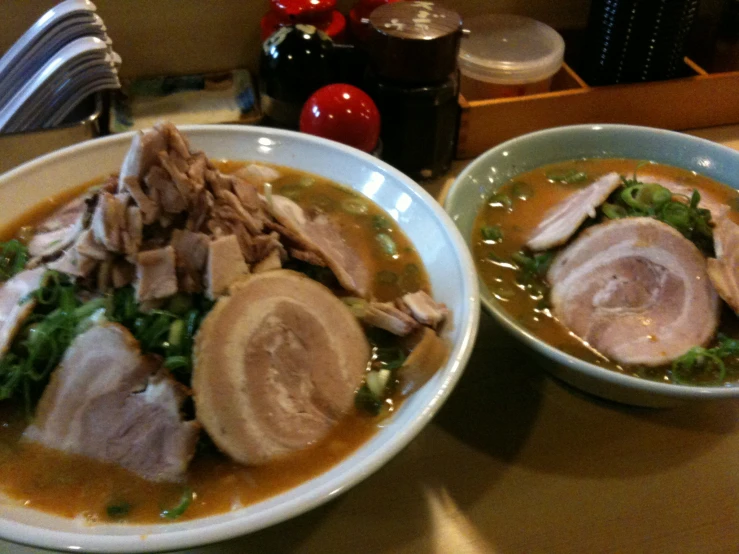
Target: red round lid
pixel 302 8
pixel 342 113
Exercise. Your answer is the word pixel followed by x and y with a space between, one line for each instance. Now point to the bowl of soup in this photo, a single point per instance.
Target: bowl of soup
pixel 211 329
pixel 608 250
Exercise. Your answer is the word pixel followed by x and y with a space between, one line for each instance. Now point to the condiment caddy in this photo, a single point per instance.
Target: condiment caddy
pixel 700 99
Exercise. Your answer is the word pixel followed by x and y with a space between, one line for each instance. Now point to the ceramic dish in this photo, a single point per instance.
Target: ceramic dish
pixel 438 242
pixel 492 169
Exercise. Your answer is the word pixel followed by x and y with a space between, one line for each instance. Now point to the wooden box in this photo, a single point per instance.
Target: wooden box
pixel 698 100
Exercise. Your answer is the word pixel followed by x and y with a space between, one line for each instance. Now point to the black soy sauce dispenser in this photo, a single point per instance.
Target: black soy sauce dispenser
pixel 414 81
pixel 295 62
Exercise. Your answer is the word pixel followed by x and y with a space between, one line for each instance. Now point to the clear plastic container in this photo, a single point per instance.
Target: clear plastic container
pixel 508 55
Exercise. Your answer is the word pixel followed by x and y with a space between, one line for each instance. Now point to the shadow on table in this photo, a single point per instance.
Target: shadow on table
pixel 497 399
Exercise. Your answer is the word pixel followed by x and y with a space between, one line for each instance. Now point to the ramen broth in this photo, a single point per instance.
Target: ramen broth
pixel 532 194
pixel 71 485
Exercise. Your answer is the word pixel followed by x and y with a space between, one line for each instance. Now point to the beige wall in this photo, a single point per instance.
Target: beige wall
pixel 157 37
pixel 187 36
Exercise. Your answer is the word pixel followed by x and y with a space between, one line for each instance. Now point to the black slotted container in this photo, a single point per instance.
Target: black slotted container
pixel 631 41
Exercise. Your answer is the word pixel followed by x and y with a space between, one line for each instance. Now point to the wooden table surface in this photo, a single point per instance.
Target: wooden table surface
pixel 517 462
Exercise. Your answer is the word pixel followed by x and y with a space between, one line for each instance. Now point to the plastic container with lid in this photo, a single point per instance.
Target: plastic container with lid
pixel 508 55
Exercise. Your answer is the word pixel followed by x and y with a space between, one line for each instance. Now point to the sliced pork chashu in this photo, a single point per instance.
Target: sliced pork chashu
pixel 277 363
pixel 60 229
pixel 636 290
pixel 15 306
pixel 563 220
pixel 108 402
pixel 724 269
pixel 318 233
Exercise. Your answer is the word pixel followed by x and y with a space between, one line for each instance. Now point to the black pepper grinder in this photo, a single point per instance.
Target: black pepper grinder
pixel 414 81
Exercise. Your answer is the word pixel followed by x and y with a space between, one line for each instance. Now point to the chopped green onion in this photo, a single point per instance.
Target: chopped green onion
pixel 567 177
pixel 387 277
pixel 492 233
pixel 387 244
pixel 323 202
pixel 185 501
pixel 614 211
pixel 292 190
pixel 366 401
pixel 358 306
pixel 177 362
pixel 535 265
pixel 377 382
pixel 354 206
pixel 180 304
pixel 380 223
pixel 391 357
pixel 705 366
pixel 13 258
pixel 500 200
pixel 521 190
pixel 118 510
pixel 177 332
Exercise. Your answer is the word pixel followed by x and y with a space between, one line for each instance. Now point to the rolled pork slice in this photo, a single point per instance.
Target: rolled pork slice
pixel 636 290
pixel 563 220
pixel 724 269
pixel 277 364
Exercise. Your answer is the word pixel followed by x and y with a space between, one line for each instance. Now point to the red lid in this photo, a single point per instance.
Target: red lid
pixel 342 113
pixel 334 25
pixel 300 9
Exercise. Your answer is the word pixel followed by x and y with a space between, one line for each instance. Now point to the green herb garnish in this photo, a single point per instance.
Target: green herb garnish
pixel 637 199
pixel 381 380
pixel 532 266
pixel 184 503
pixel 386 277
pixel 169 332
pixel 380 223
pixel 500 200
pixel 58 317
pixel 13 258
pixel 532 270
pixel 521 190
pixel 118 510
pixel 567 176
pixel 387 244
pixel 492 233
pixel 705 366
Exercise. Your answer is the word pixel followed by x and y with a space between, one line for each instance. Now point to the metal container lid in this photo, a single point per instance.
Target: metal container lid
pixel 415 41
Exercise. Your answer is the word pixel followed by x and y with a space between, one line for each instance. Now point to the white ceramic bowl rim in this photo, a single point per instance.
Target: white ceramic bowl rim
pixel 600 373
pixel 199 532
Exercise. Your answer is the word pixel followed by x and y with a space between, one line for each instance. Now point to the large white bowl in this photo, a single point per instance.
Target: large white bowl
pixel 437 240
pixel 500 164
